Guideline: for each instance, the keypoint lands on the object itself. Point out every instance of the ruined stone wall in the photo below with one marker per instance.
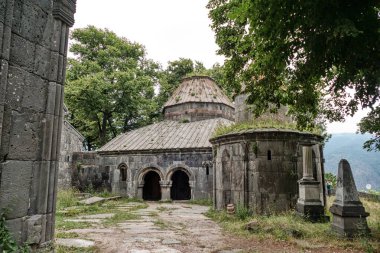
(71, 141)
(243, 113)
(33, 48)
(106, 168)
(196, 111)
(260, 170)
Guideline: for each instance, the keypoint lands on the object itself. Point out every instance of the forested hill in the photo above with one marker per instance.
(365, 165)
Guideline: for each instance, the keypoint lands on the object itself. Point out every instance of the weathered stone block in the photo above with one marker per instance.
(25, 136)
(22, 52)
(34, 229)
(42, 61)
(15, 184)
(15, 227)
(33, 22)
(3, 80)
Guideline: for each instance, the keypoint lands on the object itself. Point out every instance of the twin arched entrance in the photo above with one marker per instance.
(177, 187)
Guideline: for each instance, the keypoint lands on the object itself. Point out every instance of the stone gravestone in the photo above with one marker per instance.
(349, 216)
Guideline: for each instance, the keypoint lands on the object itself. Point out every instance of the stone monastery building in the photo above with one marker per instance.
(179, 159)
(171, 159)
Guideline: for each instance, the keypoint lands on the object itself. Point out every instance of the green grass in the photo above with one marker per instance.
(161, 224)
(119, 217)
(68, 207)
(66, 235)
(64, 249)
(260, 124)
(291, 228)
(201, 202)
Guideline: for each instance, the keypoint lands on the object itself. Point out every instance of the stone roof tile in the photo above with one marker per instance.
(166, 134)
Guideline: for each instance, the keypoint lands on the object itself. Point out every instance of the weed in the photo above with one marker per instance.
(202, 202)
(64, 249)
(119, 217)
(161, 224)
(66, 235)
(7, 243)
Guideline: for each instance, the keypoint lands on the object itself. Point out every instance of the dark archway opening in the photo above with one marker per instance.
(180, 189)
(152, 189)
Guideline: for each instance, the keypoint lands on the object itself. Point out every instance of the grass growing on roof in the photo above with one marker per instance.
(262, 124)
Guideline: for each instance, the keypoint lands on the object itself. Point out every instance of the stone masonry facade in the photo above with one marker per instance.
(104, 171)
(259, 169)
(33, 49)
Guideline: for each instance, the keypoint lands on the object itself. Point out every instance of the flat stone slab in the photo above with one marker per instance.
(146, 239)
(97, 216)
(170, 241)
(85, 220)
(76, 243)
(92, 200)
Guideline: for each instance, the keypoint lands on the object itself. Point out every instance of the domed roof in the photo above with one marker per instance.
(198, 89)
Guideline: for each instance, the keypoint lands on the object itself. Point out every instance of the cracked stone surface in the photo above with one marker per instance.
(175, 228)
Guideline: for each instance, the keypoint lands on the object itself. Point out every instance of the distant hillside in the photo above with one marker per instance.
(365, 165)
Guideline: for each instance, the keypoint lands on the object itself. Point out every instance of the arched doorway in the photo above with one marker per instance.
(152, 189)
(180, 189)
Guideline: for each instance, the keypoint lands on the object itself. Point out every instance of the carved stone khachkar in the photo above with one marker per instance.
(33, 48)
(309, 204)
(349, 216)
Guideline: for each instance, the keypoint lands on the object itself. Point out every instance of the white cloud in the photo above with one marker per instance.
(169, 29)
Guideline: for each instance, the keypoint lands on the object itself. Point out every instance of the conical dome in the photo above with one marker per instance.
(198, 98)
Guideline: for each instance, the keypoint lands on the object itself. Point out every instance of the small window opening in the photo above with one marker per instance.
(269, 154)
(207, 170)
(123, 173)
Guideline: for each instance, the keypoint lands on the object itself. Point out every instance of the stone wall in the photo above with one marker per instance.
(195, 111)
(33, 48)
(243, 113)
(106, 168)
(260, 169)
(71, 141)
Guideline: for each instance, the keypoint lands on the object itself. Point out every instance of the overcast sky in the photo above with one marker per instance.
(169, 29)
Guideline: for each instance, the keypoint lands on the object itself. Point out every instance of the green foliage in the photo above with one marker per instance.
(109, 85)
(254, 124)
(329, 177)
(6, 241)
(242, 212)
(202, 202)
(371, 124)
(290, 227)
(309, 55)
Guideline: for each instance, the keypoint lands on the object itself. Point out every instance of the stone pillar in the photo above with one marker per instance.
(33, 48)
(309, 204)
(192, 186)
(165, 189)
(349, 216)
(140, 188)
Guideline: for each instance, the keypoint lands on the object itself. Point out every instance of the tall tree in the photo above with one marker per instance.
(317, 57)
(109, 84)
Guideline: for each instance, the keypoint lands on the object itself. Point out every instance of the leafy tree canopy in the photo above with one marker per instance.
(371, 124)
(109, 85)
(316, 57)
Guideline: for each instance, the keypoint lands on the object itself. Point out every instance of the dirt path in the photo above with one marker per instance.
(174, 228)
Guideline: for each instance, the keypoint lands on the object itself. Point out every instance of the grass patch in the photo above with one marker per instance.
(262, 124)
(66, 235)
(201, 202)
(64, 249)
(62, 224)
(161, 224)
(290, 227)
(119, 217)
